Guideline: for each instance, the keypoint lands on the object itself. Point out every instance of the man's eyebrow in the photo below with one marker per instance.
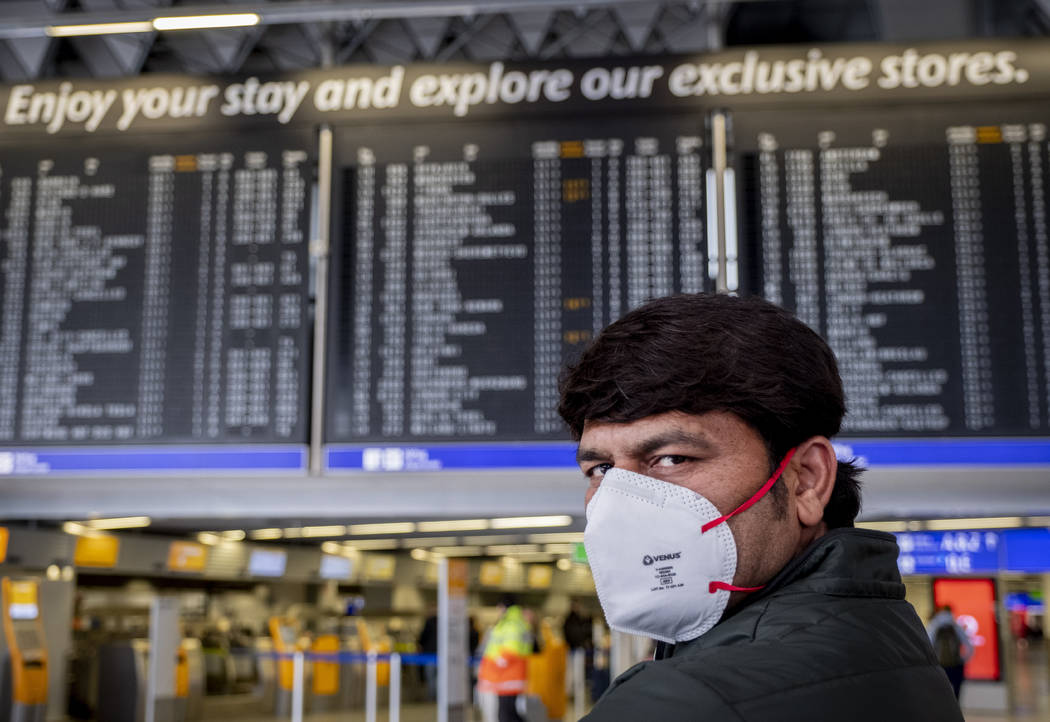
(583, 455)
(646, 447)
(676, 436)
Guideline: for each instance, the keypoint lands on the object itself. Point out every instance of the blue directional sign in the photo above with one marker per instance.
(868, 453)
(125, 460)
(1026, 550)
(949, 552)
(384, 458)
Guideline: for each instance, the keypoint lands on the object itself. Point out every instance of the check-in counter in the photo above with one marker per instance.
(194, 679)
(285, 643)
(23, 653)
(122, 673)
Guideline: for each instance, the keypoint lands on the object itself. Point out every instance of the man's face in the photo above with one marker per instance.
(714, 454)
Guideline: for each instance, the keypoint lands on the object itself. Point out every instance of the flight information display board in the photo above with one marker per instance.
(915, 240)
(153, 292)
(476, 260)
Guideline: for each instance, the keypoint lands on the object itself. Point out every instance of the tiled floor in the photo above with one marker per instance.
(1031, 700)
(428, 713)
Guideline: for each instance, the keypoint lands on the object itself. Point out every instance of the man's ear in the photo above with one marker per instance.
(816, 466)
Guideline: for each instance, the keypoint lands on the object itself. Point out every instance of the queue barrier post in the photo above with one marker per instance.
(395, 688)
(298, 685)
(579, 691)
(371, 683)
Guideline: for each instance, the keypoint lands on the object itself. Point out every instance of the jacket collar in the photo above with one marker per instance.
(844, 562)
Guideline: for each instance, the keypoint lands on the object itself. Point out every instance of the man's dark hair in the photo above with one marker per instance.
(698, 353)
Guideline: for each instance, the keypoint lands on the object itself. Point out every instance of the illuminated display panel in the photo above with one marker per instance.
(973, 605)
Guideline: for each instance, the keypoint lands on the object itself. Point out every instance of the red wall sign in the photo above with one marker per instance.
(973, 604)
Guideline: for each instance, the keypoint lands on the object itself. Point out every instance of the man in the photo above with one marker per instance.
(428, 644)
(577, 628)
(504, 662)
(720, 522)
(951, 645)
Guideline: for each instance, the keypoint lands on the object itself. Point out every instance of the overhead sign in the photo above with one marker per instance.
(540, 576)
(380, 567)
(186, 556)
(870, 71)
(950, 552)
(1027, 550)
(267, 563)
(96, 551)
(490, 574)
(335, 567)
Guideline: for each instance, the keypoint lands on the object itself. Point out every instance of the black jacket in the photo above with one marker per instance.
(829, 638)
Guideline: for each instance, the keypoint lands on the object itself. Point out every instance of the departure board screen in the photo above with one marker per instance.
(154, 290)
(915, 241)
(476, 260)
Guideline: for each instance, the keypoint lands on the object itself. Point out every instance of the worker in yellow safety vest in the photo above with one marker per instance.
(504, 662)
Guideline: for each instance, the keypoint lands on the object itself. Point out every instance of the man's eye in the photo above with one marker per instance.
(669, 460)
(597, 472)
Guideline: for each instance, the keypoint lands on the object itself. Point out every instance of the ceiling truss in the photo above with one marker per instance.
(316, 33)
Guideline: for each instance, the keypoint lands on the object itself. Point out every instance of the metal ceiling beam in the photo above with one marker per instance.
(278, 13)
(906, 20)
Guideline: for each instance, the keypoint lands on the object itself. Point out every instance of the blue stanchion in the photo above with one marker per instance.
(407, 659)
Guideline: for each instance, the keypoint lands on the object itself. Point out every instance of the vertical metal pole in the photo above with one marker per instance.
(1046, 637)
(319, 252)
(579, 687)
(395, 688)
(298, 684)
(715, 13)
(370, 688)
(442, 660)
(615, 652)
(718, 158)
(1007, 659)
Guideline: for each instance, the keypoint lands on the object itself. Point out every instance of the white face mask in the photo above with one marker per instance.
(662, 556)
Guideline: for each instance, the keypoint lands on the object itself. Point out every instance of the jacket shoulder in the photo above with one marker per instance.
(654, 690)
(809, 654)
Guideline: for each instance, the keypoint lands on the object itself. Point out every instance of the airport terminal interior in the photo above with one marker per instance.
(287, 288)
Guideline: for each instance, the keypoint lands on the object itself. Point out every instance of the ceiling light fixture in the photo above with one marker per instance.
(997, 522)
(521, 522)
(330, 530)
(498, 550)
(77, 529)
(889, 526)
(454, 525)
(395, 527)
(66, 31)
(561, 537)
(206, 22)
(272, 533)
(123, 522)
(371, 544)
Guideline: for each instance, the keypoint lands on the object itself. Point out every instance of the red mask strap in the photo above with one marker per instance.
(715, 586)
(754, 499)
